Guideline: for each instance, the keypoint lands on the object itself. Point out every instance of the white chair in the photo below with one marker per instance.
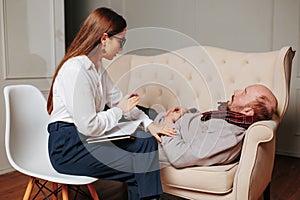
(26, 142)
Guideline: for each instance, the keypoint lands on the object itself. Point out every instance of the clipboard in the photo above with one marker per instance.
(123, 130)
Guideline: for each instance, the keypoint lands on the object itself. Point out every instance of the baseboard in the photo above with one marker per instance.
(5, 171)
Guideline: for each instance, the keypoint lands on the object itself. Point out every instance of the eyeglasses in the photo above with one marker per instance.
(122, 40)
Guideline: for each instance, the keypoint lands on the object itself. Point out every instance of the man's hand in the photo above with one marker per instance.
(174, 114)
(156, 130)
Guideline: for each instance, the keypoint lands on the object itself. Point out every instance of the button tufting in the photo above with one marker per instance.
(209, 78)
(171, 77)
(160, 92)
(140, 75)
(155, 75)
(258, 80)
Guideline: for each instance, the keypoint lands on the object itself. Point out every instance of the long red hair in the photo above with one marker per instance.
(100, 21)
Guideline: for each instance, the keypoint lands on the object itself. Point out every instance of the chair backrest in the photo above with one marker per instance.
(200, 76)
(26, 137)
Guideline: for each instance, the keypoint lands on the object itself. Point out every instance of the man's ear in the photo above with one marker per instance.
(248, 111)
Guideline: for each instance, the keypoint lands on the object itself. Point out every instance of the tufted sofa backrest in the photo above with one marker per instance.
(200, 76)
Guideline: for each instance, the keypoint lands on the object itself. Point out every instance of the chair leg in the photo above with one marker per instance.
(267, 192)
(29, 188)
(54, 188)
(65, 195)
(93, 191)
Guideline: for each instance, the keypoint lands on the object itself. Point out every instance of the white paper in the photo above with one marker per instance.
(122, 128)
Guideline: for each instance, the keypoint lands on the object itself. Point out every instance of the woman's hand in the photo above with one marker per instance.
(128, 103)
(156, 130)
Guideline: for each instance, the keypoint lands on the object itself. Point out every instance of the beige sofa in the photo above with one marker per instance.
(199, 77)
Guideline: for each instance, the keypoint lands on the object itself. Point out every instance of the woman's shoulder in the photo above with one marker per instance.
(76, 64)
(79, 61)
(73, 66)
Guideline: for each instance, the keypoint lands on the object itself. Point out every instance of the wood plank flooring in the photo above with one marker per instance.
(285, 184)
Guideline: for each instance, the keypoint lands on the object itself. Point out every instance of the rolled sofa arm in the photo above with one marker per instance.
(257, 160)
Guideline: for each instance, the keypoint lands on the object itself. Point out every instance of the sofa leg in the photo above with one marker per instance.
(267, 192)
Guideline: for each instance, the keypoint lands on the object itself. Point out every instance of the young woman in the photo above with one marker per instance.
(79, 92)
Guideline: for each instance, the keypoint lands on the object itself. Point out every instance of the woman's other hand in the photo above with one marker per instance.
(156, 130)
(128, 103)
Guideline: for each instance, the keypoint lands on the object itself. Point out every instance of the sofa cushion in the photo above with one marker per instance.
(212, 179)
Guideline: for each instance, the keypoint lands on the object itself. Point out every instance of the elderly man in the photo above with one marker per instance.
(214, 137)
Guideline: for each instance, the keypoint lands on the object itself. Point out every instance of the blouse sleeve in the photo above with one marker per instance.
(80, 101)
(113, 93)
(136, 114)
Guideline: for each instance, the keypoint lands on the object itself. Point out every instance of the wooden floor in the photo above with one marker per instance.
(285, 184)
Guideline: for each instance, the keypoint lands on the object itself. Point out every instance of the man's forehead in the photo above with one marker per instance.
(253, 90)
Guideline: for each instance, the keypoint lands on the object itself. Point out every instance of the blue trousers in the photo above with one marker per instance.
(132, 161)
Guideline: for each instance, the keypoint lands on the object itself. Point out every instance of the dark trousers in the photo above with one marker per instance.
(132, 161)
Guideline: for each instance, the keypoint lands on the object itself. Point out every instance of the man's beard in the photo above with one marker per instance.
(223, 106)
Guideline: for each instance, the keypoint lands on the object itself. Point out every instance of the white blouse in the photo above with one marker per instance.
(80, 93)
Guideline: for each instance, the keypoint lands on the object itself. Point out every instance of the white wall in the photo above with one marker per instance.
(233, 24)
(31, 45)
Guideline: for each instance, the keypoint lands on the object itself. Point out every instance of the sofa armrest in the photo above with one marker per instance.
(257, 160)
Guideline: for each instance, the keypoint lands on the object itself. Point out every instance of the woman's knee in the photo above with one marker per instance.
(148, 141)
